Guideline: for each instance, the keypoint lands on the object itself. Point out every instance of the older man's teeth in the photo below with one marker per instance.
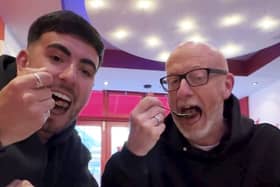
(191, 111)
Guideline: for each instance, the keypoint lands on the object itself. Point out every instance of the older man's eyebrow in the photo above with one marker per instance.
(88, 62)
(61, 48)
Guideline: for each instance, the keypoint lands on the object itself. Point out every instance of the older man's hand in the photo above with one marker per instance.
(146, 125)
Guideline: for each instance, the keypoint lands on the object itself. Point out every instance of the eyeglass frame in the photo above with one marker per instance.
(184, 76)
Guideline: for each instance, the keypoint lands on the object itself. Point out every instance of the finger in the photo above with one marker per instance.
(158, 130)
(150, 113)
(28, 70)
(155, 110)
(39, 82)
(35, 80)
(42, 93)
(41, 110)
(152, 122)
(43, 107)
(159, 118)
(47, 104)
(42, 79)
(147, 118)
(46, 116)
(37, 96)
(148, 108)
(148, 102)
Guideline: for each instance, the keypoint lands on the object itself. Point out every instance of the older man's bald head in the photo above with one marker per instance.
(203, 52)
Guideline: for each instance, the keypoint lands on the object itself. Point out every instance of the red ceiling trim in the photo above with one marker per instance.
(237, 67)
(254, 62)
(2, 29)
(262, 58)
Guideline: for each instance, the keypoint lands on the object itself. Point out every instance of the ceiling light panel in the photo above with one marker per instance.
(232, 20)
(120, 34)
(267, 23)
(197, 38)
(186, 25)
(231, 49)
(145, 5)
(153, 41)
(97, 4)
(163, 56)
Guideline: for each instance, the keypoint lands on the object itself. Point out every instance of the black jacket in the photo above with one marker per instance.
(247, 156)
(62, 162)
(7, 69)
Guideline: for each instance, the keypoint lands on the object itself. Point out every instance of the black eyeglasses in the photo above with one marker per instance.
(196, 77)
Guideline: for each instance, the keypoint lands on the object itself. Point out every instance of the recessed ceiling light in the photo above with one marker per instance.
(186, 25)
(163, 56)
(255, 83)
(147, 5)
(267, 23)
(231, 20)
(97, 4)
(231, 49)
(197, 38)
(120, 34)
(106, 83)
(152, 41)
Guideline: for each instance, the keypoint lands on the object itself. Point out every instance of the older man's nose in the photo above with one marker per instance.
(184, 88)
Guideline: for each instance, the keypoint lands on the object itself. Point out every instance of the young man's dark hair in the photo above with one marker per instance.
(66, 22)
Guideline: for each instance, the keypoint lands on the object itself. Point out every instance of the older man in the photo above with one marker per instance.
(204, 141)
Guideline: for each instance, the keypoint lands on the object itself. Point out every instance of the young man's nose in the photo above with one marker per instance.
(69, 74)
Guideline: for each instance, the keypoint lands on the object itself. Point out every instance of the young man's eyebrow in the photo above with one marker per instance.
(68, 53)
(61, 48)
(89, 62)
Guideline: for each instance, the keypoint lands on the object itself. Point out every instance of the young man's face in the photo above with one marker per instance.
(205, 102)
(73, 64)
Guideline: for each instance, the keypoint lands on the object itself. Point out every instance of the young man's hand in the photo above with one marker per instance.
(25, 104)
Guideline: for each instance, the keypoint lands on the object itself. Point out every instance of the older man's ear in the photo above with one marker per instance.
(228, 85)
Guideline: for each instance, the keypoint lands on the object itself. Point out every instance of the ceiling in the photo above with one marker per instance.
(148, 28)
(130, 62)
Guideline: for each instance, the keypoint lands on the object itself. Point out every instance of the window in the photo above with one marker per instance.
(91, 138)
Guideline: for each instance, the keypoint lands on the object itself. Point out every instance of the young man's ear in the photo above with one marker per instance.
(22, 60)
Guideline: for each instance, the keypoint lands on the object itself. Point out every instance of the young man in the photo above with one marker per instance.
(204, 141)
(53, 81)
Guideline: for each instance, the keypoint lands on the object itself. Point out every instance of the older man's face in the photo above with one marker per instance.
(204, 103)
